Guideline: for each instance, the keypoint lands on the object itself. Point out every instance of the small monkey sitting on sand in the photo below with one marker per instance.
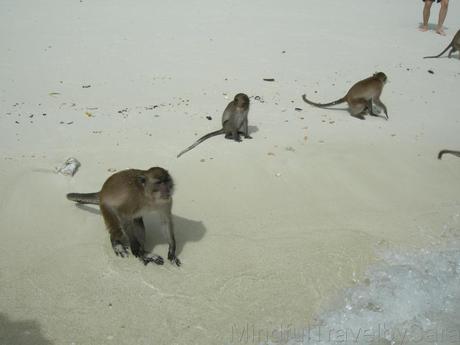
(234, 122)
(124, 199)
(361, 96)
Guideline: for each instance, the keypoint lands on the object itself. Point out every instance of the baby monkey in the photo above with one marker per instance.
(124, 199)
(454, 45)
(455, 153)
(234, 122)
(361, 96)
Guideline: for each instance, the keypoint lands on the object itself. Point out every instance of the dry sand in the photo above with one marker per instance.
(268, 229)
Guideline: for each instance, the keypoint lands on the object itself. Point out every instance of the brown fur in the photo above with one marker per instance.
(454, 45)
(123, 200)
(234, 122)
(361, 96)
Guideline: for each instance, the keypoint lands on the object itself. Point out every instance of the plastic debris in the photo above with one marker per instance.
(69, 167)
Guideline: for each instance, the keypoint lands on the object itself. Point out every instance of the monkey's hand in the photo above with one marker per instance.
(152, 258)
(120, 250)
(174, 259)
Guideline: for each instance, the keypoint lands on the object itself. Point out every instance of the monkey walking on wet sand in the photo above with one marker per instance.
(361, 96)
(234, 122)
(452, 152)
(454, 45)
(124, 199)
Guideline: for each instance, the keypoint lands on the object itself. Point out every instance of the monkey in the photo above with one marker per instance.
(234, 122)
(127, 196)
(455, 153)
(361, 96)
(454, 45)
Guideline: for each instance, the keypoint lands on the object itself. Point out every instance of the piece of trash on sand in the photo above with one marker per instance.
(260, 99)
(269, 79)
(54, 93)
(69, 167)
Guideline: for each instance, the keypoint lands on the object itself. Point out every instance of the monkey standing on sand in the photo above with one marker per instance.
(361, 96)
(454, 45)
(234, 122)
(455, 153)
(124, 199)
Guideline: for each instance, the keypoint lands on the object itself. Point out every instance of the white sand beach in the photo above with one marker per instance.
(270, 230)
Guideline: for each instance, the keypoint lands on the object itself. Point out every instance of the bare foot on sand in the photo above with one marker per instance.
(423, 28)
(440, 31)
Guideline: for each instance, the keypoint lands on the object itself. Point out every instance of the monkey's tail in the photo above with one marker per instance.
(430, 57)
(340, 100)
(199, 141)
(455, 153)
(84, 198)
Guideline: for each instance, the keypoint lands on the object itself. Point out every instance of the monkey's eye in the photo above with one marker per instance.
(141, 179)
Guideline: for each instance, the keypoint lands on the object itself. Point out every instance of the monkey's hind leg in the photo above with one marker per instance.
(358, 108)
(233, 135)
(370, 108)
(452, 50)
(236, 136)
(138, 244)
(116, 234)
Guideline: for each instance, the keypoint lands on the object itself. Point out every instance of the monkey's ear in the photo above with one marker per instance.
(141, 179)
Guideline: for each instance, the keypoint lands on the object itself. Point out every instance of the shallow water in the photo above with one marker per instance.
(408, 297)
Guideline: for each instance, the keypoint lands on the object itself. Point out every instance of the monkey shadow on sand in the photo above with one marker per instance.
(253, 129)
(347, 111)
(185, 230)
(24, 332)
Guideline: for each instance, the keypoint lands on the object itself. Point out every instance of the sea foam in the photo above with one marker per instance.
(407, 297)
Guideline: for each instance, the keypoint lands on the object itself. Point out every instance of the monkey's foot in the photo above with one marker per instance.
(174, 259)
(120, 250)
(247, 137)
(152, 258)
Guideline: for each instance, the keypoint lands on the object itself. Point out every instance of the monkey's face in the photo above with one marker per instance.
(241, 100)
(382, 76)
(159, 183)
(163, 189)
